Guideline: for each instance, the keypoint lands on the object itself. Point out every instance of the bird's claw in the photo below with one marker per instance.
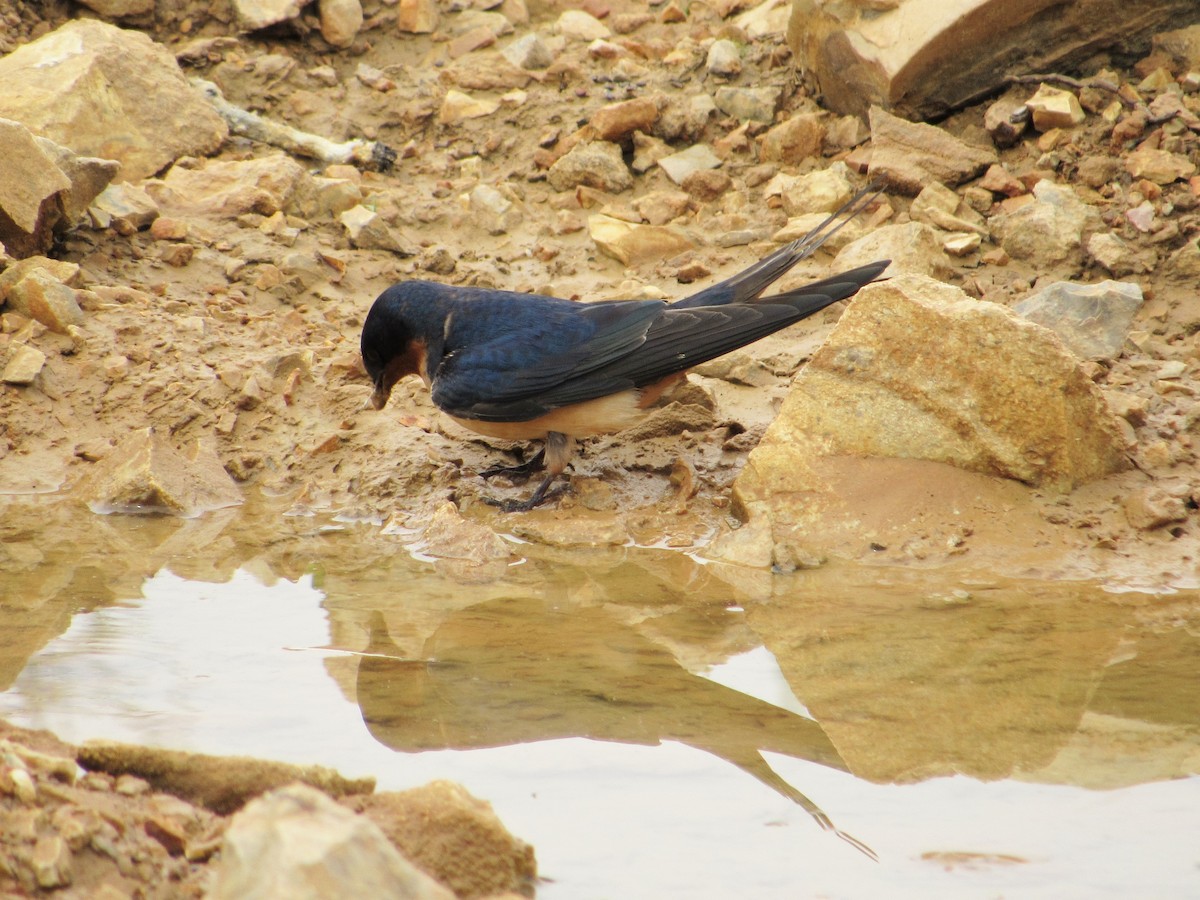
(518, 474)
(538, 498)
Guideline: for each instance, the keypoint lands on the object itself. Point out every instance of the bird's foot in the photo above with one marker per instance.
(520, 473)
(511, 506)
(540, 496)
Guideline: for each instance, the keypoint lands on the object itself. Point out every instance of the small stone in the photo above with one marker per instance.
(940, 206)
(913, 247)
(845, 133)
(795, 140)
(296, 842)
(457, 106)
(1142, 216)
(167, 228)
(492, 210)
(340, 21)
(42, 296)
(1152, 507)
(1093, 320)
(24, 365)
(124, 207)
(577, 25)
(911, 154)
(647, 151)
(450, 536)
(633, 244)
(1048, 230)
(617, 121)
(51, 862)
(999, 180)
(368, 230)
(598, 165)
(1097, 171)
(821, 191)
(470, 41)
(756, 104)
(695, 158)
(724, 59)
(1118, 257)
(962, 243)
(1159, 166)
(660, 207)
(417, 16)
(528, 52)
(1006, 120)
(707, 184)
(1055, 108)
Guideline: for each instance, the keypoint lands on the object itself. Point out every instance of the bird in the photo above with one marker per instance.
(528, 367)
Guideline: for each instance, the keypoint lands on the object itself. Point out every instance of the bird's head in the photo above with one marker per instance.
(392, 346)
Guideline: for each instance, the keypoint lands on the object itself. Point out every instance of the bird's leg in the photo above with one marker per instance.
(521, 472)
(557, 453)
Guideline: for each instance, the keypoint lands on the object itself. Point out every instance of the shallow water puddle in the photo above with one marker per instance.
(655, 727)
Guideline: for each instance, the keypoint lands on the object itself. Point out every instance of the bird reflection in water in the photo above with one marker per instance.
(512, 671)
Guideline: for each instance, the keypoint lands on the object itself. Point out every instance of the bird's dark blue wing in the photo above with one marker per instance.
(504, 358)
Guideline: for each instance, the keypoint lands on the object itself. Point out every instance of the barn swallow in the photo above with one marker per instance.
(526, 367)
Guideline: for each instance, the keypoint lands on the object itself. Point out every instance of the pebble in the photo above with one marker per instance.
(756, 104)
(617, 121)
(528, 52)
(457, 106)
(821, 191)
(647, 151)
(40, 295)
(492, 210)
(660, 207)
(51, 862)
(24, 365)
(1152, 507)
(1006, 120)
(795, 140)
(632, 244)
(417, 16)
(1120, 259)
(577, 25)
(724, 59)
(1093, 320)
(707, 184)
(679, 166)
(340, 21)
(598, 165)
(368, 230)
(1055, 108)
(1159, 166)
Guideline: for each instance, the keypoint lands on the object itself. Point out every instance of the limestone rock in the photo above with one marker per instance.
(40, 293)
(913, 247)
(939, 206)
(417, 16)
(125, 207)
(455, 837)
(1091, 319)
(757, 104)
(457, 106)
(794, 140)
(1152, 507)
(1006, 120)
(1049, 231)
(916, 369)
(696, 158)
(617, 121)
(528, 52)
(1054, 108)
(222, 784)
(911, 154)
(110, 93)
(145, 474)
(228, 188)
(636, 244)
(295, 842)
(577, 25)
(821, 191)
(685, 120)
(370, 231)
(1159, 166)
(340, 21)
(492, 210)
(30, 182)
(24, 365)
(724, 59)
(87, 174)
(596, 165)
(924, 59)
(450, 536)
(120, 9)
(255, 14)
